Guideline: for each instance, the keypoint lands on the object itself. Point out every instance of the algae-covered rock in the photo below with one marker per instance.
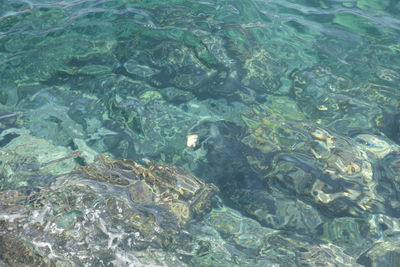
(100, 211)
(325, 255)
(16, 253)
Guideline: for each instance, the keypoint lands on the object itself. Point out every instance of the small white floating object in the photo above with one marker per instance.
(192, 140)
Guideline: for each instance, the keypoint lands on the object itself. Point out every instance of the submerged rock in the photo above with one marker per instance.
(111, 212)
(383, 254)
(16, 253)
(28, 161)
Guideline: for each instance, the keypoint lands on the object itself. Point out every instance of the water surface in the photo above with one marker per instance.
(295, 105)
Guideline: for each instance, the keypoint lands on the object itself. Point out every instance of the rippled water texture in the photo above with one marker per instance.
(291, 109)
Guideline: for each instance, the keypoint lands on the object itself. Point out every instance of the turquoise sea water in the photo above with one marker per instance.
(293, 108)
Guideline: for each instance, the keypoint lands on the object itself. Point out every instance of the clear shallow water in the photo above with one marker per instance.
(295, 105)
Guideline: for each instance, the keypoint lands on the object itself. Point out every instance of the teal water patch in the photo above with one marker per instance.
(290, 108)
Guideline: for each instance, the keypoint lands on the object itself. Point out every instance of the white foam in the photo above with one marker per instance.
(10, 217)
